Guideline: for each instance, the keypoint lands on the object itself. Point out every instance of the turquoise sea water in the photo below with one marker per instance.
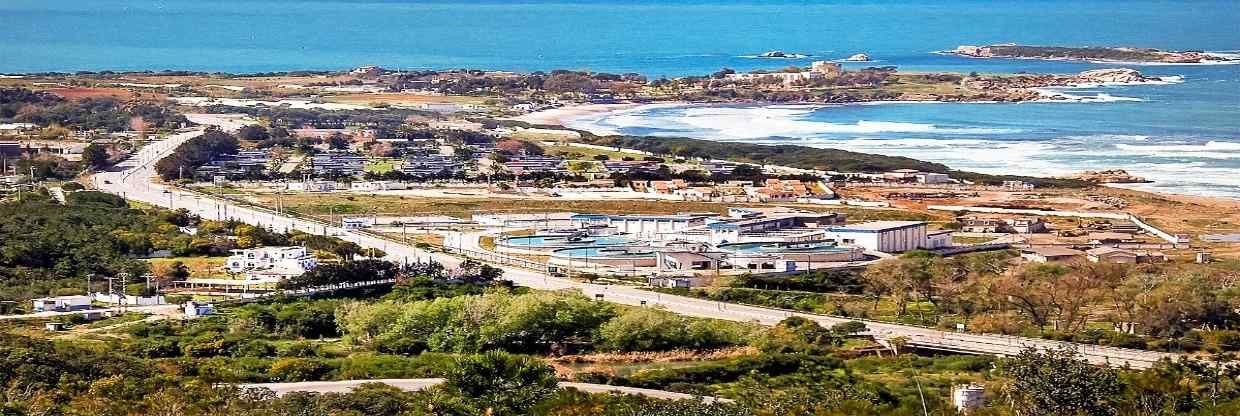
(1185, 135)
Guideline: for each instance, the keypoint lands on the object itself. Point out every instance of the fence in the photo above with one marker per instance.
(1176, 241)
(492, 257)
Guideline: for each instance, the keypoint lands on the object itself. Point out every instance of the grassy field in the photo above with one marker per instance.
(588, 153)
(320, 205)
(380, 166)
(199, 267)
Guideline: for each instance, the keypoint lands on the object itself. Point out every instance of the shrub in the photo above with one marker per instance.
(300, 350)
(644, 329)
(298, 369)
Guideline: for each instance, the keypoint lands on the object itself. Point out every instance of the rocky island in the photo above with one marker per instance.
(827, 82)
(783, 55)
(1095, 54)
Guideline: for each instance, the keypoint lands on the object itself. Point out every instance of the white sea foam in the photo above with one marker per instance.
(1208, 150)
(1184, 165)
(1058, 95)
(1109, 137)
(748, 123)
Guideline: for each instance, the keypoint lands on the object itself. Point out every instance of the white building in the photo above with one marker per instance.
(932, 178)
(130, 300)
(884, 236)
(312, 186)
(62, 303)
(938, 239)
(379, 186)
(195, 309)
(357, 223)
(271, 263)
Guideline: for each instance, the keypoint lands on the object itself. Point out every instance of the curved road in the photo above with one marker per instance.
(132, 180)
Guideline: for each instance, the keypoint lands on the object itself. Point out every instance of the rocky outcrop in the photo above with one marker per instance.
(1029, 81)
(861, 57)
(1109, 176)
(1113, 75)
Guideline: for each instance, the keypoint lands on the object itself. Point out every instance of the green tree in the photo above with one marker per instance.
(502, 383)
(1057, 382)
(94, 155)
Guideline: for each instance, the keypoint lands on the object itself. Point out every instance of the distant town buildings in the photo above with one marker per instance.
(817, 69)
(242, 163)
(423, 166)
(337, 163)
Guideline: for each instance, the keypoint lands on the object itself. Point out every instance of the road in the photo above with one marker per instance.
(153, 309)
(132, 179)
(415, 384)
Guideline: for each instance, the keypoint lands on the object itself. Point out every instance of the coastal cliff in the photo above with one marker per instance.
(1099, 54)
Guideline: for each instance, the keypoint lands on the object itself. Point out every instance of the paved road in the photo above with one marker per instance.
(132, 179)
(415, 384)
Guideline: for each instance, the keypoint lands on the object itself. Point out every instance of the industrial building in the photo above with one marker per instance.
(884, 236)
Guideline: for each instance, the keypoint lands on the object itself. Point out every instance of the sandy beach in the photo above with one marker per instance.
(559, 116)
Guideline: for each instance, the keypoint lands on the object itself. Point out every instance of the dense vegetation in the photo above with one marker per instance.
(802, 157)
(798, 368)
(1152, 306)
(50, 248)
(464, 325)
(196, 152)
(108, 114)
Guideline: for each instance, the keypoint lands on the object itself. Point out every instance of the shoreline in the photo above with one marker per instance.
(560, 116)
(563, 116)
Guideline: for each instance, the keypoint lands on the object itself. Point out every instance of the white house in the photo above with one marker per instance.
(195, 309)
(271, 263)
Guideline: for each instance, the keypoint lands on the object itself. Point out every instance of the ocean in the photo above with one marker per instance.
(1184, 134)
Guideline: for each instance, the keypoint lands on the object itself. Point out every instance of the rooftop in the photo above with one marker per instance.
(1053, 251)
(880, 226)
